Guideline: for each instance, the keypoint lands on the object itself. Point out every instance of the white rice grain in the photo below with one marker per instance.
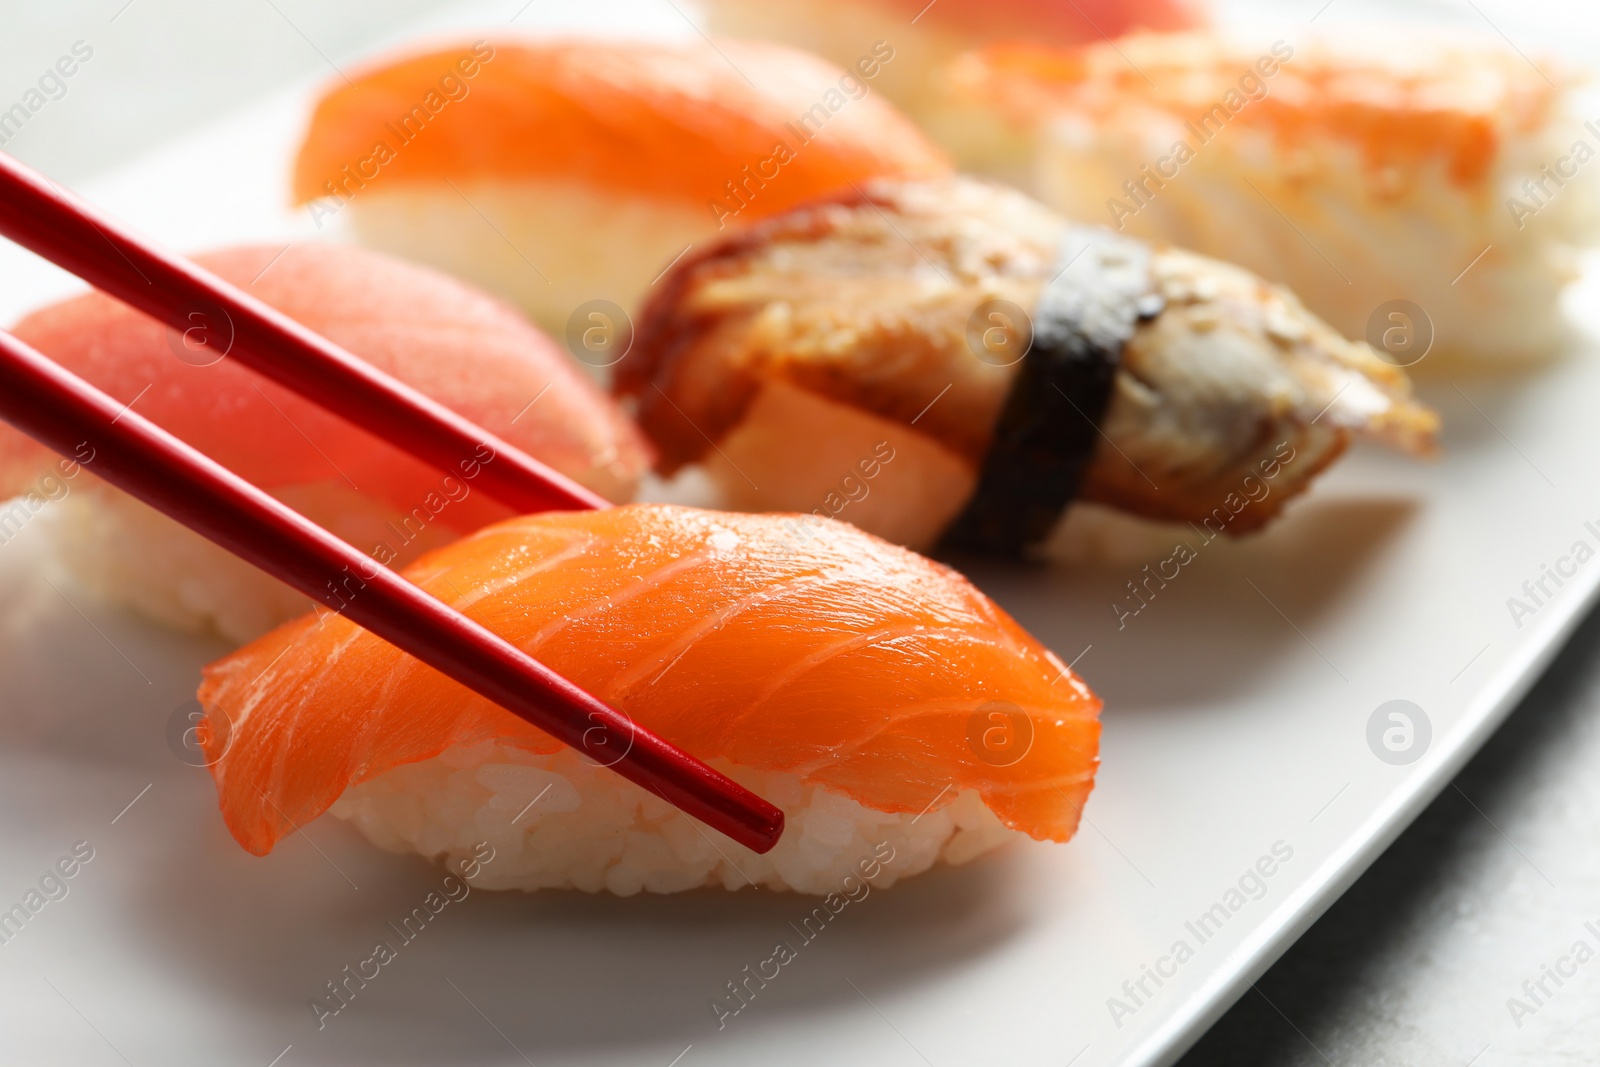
(561, 822)
(131, 554)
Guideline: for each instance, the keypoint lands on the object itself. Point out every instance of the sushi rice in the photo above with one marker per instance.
(595, 244)
(126, 552)
(561, 821)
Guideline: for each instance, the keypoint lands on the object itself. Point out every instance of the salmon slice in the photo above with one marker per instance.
(815, 650)
(457, 345)
(670, 121)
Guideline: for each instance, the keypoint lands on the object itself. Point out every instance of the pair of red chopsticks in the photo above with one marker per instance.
(62, 411)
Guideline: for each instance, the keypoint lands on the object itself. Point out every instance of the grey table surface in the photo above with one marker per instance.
(1456, 931)
(1491, 888)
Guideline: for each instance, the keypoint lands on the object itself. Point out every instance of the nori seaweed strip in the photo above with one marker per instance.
(1048, 429)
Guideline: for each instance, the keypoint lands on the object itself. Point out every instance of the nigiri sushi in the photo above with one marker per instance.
(1417, 192)
(922, 37)
(566, 173)
(894, 712)
(459, 346)
(952, 359)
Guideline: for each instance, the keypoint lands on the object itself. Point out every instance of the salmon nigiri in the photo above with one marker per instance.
(455, 344)
(564, 173)
(891, 709)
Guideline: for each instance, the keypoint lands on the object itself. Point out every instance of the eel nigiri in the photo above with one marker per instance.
(1361, 171)
(920, 38)
(894, 712)
(564, 173)
(950, 357)
(459, 346)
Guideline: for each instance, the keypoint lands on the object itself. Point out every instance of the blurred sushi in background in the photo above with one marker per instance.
(1445, 180)
(562, 173)
(951, 359)
(922, 36)
(454, 343)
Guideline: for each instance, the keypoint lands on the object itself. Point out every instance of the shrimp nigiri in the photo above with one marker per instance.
(1423, 194)
(566, 173)
(891, 709)
(984, 363)
(455, 344)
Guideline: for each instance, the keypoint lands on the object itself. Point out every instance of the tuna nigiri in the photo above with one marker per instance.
(893, 711)
(926, 35)
(1418, 193)
(565, 173)
(453, 343)
(951, 358)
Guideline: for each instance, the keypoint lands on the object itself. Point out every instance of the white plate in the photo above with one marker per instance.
(1238, 706)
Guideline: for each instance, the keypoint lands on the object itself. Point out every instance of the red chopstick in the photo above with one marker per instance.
(76, 236)
(66, 413)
